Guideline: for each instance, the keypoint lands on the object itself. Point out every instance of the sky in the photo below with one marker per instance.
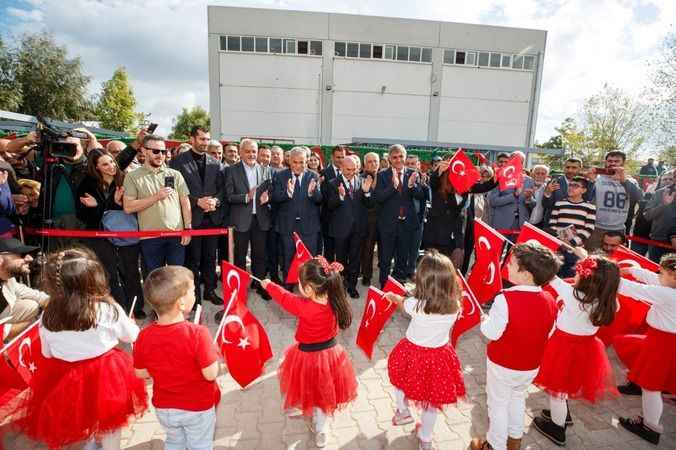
(163, 43)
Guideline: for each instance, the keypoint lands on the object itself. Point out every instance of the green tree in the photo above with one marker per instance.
(187, 119)
(570, 138)
(52, 84)
(661, 94)
(115, 109)
(10, 90)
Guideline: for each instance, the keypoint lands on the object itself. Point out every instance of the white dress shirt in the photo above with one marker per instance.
(252, 178)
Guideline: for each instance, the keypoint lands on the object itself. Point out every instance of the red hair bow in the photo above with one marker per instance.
(586, 267)
(328, 268)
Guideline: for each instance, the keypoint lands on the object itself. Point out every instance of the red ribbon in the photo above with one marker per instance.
(55, 232)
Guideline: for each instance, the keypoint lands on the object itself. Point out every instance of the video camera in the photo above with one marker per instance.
(54, 143)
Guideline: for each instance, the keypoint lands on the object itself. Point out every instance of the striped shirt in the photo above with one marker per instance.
(581, 215)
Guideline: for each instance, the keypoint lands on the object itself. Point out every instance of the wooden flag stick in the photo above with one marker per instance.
(198, 314)
(133, 305)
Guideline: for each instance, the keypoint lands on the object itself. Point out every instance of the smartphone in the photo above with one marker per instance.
(169, 182)
(604, 171)
(151, 128)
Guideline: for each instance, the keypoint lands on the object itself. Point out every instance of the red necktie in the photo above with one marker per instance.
(400, 188)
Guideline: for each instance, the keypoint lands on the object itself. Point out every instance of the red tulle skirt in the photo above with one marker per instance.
(429, 377)
(577, 367)
(69, 402)
(655, 367)
(324, 379)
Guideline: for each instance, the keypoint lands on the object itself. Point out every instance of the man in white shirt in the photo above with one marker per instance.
(19, 304)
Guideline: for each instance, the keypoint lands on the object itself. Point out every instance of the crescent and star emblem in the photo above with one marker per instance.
(230, 318)
(491, 273)
(461, 165)
(26, 342)
(370, 304)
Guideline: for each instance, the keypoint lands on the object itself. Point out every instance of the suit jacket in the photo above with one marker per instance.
(237, 187)
(301, 205)
(391, 201)
(350, 213)
(212, 186)
(328, 174)
(505, 207)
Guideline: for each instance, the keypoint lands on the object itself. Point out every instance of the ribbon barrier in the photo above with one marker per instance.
(631, 237)
(55, 232)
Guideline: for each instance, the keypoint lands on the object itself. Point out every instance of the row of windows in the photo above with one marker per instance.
(489, 59)
(270, 45)
(376, 51)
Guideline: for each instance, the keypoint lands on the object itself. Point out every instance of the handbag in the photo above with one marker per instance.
(118, 220)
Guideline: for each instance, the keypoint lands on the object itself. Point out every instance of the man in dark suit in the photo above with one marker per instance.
(396, 188)
(297, 195)
(247, 186)
(348, 197)
(273, 246)
(371, 166)
(329, 173)
(205, 178)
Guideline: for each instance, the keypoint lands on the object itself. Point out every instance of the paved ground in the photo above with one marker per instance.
(252, 419)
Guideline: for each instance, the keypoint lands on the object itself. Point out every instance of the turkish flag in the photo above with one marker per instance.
(241, 337)
(628, 258)
(481, 157)
(392, 285)
(25, 352)
(377, 311)
(530, 233)
(470, 314)
(630, 318)
(510, 176)
(484, 278)
(301, 256)
(461, 172)
(11, 385)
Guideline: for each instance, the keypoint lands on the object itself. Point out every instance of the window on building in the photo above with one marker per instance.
(529, 62)
(495, 60)
(470, 58)
(389, 52)
(378, 51)
(506, 61)
(449, 56)
(316, 48)
(222, 43)
(364, 50)
(275, 45)
(460, 57)
(483, 59)
(339, 49)
(262, 45)
(517, 62)
(352, 50)
(427, 55)
(247, 44)
(290, 46)
(302, 47)
(402, 53)
(414, 54)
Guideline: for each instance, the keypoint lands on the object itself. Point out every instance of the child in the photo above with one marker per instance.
(316, 376)
(423, 367)
(518, 326)
(575, 212)
(85, 387)
(654, 370)
(181, 359)
(575, 364)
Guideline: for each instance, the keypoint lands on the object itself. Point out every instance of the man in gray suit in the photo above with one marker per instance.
(508, 209)
(247, 186)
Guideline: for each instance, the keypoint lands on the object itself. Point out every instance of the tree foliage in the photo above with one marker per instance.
(115, 109)
(661, 94)
(187, 119)
(10, 90)
(52, 84)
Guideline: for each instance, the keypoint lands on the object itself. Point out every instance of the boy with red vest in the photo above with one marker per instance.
(518, 327)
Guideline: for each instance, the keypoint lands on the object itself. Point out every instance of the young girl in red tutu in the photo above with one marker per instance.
(423, 367)
(85, 388)
(654, 369)
(575, 364)
(316, 376)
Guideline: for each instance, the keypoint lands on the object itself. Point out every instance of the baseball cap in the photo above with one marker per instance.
(11, 245)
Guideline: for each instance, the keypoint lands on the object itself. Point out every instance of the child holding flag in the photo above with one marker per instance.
(423, 367)
(316, 376)
(85, 387)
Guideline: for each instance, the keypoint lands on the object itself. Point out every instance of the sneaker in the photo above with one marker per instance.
(636, 426)
(320, 439)
(402, 418)
(294, 413)
(630, 389)
(548, 415)
(213, 298)
(366, 282)
(422, 445)
(550, 430)
(219, 315)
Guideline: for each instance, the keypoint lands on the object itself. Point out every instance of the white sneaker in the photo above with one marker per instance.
(320, 439)
(294, 413)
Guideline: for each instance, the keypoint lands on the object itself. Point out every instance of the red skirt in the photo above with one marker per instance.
(69, 402)
(324, 379)
(655, 367)
(577, 367)
(429, 377)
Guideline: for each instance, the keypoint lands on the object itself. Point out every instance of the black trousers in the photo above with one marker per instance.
(368, 249)
(257, 239)
(348, 253)
(394, 243)
(200, 258)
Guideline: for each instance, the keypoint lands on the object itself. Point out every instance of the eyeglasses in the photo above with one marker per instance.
(156, 151)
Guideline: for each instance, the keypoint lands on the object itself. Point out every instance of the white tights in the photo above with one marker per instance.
(110, 441)
(559, 410)
(652, 409)
(428, 417)
(318, 420)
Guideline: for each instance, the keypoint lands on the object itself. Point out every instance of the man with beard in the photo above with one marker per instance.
(19, 304)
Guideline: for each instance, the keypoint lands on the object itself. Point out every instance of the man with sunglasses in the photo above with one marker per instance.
(160, 197)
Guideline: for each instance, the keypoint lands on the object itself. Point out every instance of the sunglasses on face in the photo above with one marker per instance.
(157, 151)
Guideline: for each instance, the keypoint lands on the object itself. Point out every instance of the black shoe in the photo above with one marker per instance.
(550, 430)
(213, 298)
(353, 293)
(219, 315)
(636, 426)
(548, 415)
(140, 315)
(630, 389)
(366, 282)
(264, 294)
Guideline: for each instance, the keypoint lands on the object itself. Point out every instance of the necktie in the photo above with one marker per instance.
(351, 188)
(400, 188)
(296, 188)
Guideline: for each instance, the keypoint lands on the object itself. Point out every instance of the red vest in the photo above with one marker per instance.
(531, 316)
